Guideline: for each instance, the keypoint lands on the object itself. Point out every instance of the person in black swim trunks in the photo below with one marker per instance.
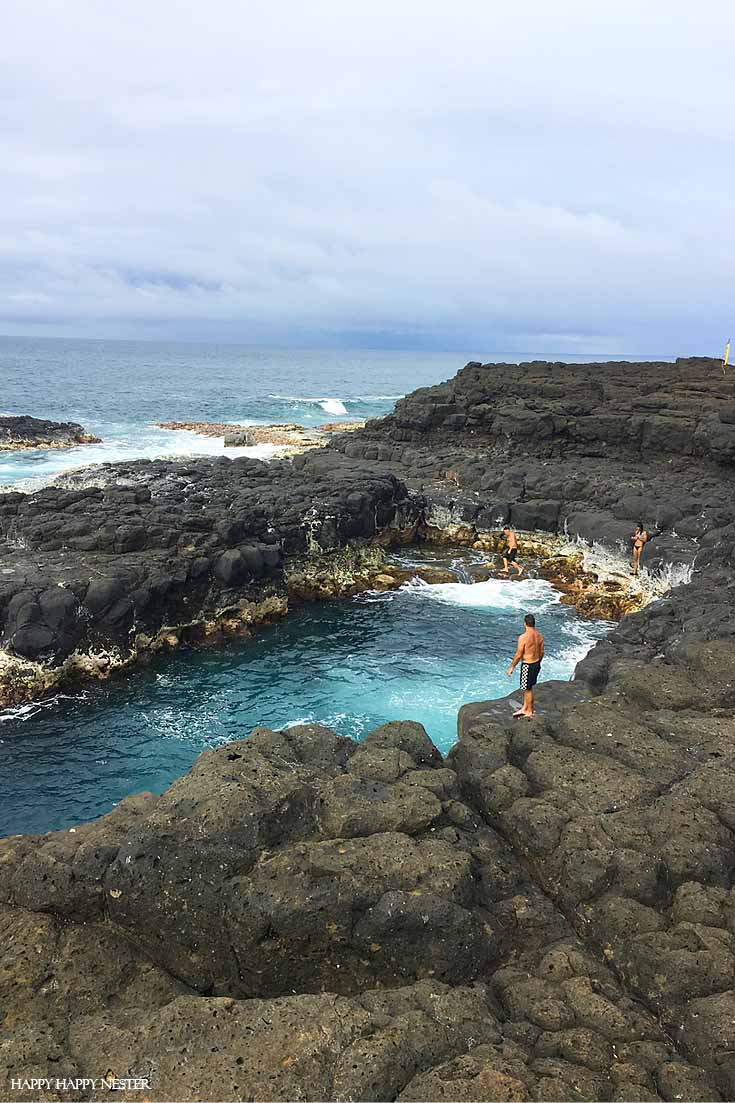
(529, 653)
(510, 555)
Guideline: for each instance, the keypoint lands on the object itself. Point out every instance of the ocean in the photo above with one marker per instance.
(418, 653)
(119, 390)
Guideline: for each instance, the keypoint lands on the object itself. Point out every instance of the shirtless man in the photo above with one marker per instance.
(510, 555)
(529, 653)
(639, 538)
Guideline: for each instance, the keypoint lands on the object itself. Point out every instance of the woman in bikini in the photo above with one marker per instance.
(639, 538)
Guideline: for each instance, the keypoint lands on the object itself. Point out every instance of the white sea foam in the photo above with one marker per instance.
(582, 635)
(33, 469)
(333, 406)
(25, 712)
(378, 397)
(330, 405)
(532, 595)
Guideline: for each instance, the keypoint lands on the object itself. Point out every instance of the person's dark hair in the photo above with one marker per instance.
(506, 528)
(530, 620)
(640, 525)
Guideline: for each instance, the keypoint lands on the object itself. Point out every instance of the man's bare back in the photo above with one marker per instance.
(531, 646)
(529, 653)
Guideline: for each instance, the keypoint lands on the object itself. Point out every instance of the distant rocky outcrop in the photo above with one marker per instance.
(289, 438)
(21, 432)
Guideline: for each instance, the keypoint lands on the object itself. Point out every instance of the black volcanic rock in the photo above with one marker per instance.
(589, 449)
(590, 409)
(32, 432)
(156, 543)
(546, 914)
(235, 932)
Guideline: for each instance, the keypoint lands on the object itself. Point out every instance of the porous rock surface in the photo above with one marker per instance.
(588, 448)
(118, 553)
(546, 914)
(303, 917)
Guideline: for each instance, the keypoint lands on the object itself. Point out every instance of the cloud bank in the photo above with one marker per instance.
(551, 177)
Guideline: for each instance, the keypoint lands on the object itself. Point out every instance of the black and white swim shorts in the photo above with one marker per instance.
(529, 674)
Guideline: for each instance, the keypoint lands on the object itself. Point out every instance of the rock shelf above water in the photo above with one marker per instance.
(289, 439)
(22, 432)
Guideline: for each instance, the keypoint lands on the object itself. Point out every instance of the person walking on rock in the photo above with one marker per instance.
(510, 555)
(529, 653)
(639, 538)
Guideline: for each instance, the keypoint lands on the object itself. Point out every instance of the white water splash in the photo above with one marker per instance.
(614, 563)
(333, 406)
(532, 595)
(30, 470)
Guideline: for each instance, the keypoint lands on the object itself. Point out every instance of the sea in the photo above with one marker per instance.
(417, 653)
(121, 390)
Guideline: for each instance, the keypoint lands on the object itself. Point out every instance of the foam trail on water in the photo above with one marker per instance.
(378, 397)
(582, 634)
(37, 467)
(330, 405)
(532, 596)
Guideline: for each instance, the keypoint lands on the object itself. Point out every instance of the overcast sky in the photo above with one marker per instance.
(547, 175)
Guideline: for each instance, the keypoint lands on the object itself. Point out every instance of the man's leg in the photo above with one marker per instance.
(528, 703)
(522, 710)
(636, 557)
(505, 566)
(518, 567)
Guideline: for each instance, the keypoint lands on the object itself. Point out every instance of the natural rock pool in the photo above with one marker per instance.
(417, 653)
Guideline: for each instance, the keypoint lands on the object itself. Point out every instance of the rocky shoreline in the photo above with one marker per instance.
(22, 432)
(69, 622)
(288, 439)
(547, 913)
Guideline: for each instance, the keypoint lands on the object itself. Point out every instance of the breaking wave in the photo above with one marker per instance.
(533, 595)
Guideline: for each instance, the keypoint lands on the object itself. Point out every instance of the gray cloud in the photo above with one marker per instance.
(551, 176)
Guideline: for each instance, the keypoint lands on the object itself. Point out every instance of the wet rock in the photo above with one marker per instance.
(21, 432)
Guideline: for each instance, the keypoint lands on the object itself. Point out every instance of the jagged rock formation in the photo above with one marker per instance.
(160, 551)
(21, 432)
(302, 917)
(546, 914)
(116, 561)
(685, 408)
(590, 447)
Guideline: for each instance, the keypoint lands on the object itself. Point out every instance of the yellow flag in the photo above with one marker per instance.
(726, 358)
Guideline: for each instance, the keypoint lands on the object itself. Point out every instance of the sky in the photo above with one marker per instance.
(537, 176)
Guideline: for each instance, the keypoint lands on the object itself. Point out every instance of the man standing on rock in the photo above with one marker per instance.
(529, 653)
(510, 555)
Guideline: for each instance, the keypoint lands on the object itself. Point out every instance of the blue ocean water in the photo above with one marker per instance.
(418, 653)
(119, 390)
(415, 654)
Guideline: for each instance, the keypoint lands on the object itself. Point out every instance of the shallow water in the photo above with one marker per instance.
(418, 653)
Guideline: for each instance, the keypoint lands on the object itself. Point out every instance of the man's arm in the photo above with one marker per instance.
(518, 655)
(542, 653)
